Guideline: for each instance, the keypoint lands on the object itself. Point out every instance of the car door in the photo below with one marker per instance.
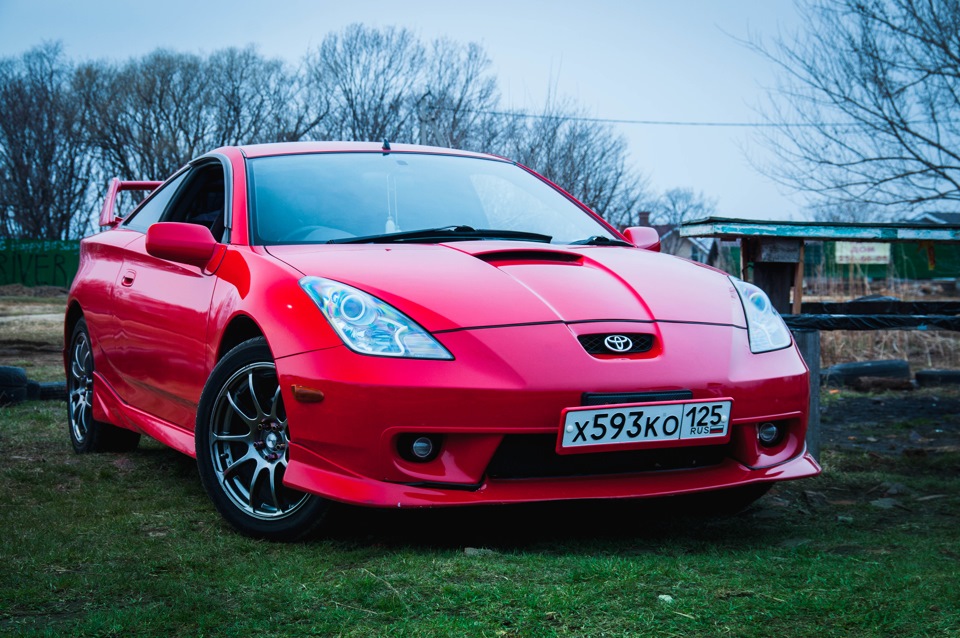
(161, 310)
(110, 253)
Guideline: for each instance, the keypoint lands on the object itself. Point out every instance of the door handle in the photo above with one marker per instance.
(128, 277)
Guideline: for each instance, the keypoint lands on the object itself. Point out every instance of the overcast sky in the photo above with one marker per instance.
(630, 59)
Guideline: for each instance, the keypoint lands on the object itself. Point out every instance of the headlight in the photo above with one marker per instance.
(370, 326)
(765, 327)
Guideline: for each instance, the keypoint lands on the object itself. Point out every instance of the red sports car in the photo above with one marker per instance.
(415, 327)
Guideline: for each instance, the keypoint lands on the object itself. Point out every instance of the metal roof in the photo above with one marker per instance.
(727, 228)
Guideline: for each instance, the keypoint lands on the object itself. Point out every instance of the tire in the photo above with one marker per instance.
(845, 373)
(242, 445)
(12, 376)
(33, 390)
(874, 298)
(10, 395)
(13, 385)
(929, 378)
(87, 434)
(53, 391)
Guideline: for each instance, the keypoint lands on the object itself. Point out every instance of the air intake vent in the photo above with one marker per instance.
(508, 257)
(617, 343)
(613, 398)
(522, 456)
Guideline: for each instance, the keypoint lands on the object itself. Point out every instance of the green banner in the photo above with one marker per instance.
(908, 260)
(39, 263)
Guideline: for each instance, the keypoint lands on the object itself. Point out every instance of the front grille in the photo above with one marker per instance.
(534, 456)
(613, 398)
(596, 344)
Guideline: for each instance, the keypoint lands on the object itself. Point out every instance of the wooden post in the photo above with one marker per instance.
(774, 268)
(775, 280)
(749, 249)
(798, 282)
(808, 342)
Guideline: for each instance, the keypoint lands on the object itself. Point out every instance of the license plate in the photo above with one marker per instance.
(645, 423)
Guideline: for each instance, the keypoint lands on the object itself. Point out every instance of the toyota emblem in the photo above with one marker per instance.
(618, 343)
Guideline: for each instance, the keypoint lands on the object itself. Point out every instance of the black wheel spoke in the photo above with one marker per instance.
(230, 470)
(274, 496)
(256, 401)
(232, 438)
(274, 405)
(249, 420)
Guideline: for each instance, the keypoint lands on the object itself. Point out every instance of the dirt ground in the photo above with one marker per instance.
(911, 423)
(31, 355)
(19, 290)
(31, 330)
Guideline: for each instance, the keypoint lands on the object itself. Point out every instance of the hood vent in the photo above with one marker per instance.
(515, 257)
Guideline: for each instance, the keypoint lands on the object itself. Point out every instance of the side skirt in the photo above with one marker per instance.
(110, 408)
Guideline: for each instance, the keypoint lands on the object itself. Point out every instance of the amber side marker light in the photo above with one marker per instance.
(306, 395)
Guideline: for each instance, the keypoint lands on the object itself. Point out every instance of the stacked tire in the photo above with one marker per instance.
(845, 374)
(13, 385)
(15, 388)
(934, 378)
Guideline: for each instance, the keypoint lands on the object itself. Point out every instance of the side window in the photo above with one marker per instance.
(153, 208)
(201, 200)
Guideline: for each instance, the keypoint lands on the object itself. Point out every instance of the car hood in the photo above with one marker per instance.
(494, 283)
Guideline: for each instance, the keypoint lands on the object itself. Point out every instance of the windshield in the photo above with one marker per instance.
(316, 198)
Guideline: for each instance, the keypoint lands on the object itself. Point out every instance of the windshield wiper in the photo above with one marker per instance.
(444, 234)
(600, 240)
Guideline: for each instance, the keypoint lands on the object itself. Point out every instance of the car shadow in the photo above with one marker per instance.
(571, 526)
(631, 525)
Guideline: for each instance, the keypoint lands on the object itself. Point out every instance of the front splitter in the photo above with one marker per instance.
(355, 490)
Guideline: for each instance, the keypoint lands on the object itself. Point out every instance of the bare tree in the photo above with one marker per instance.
(586, 158)
(153, 114)
(676, 206)
(372, 78)
(149, 114)
(253, 99)
(384, 84)
(845, 211)
(44, 164)
(869, 104)
(457, 106)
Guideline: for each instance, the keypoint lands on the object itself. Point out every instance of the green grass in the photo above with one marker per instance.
(119, 545)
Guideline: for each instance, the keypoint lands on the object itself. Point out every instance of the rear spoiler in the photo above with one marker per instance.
(107, 216)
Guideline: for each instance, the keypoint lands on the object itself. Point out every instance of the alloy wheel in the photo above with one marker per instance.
(249, 444)
(80, 391)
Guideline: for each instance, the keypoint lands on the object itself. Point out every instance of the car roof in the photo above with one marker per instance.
(295, 148)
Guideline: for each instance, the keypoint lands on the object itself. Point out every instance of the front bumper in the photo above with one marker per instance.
(360, 491)
(507, 387)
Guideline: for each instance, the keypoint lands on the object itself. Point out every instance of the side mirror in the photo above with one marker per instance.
(644, 237)
(183, 243)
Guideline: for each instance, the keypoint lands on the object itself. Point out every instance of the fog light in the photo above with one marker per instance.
(422, 447)
(419, 448)
(769, 434)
